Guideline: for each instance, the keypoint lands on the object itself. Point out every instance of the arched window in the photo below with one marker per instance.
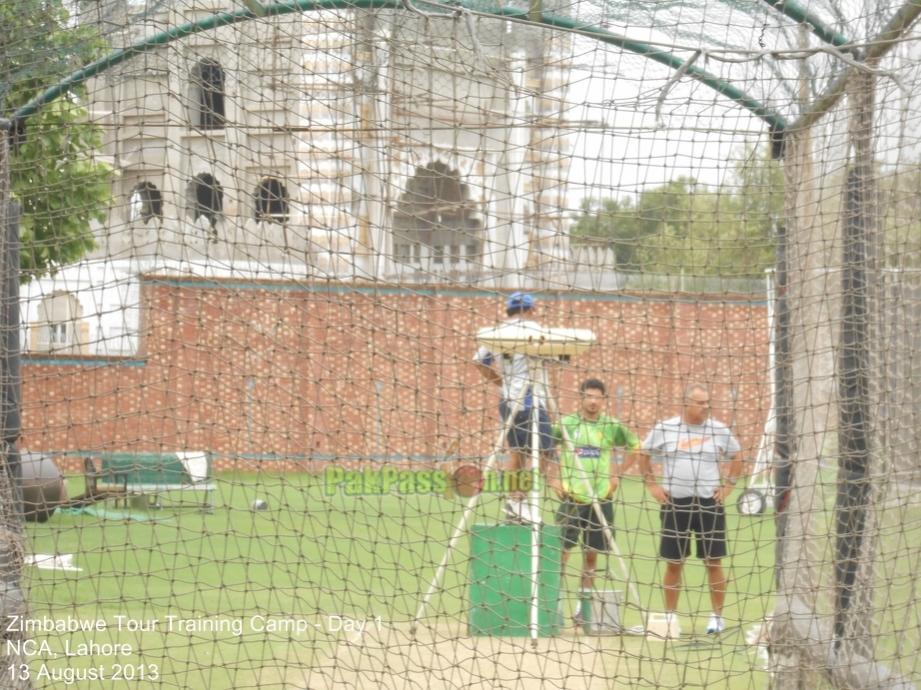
(271, 201)
(436, 212)
(145, 202)
(208, 95)
(206, 198)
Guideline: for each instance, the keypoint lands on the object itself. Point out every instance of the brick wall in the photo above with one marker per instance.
(293, 373)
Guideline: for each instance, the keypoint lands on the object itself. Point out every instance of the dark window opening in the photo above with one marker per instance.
(206, 198)
(271, 201)
(208, 83)
(145, 202)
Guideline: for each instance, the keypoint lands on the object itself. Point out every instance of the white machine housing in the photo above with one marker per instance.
(535, 340)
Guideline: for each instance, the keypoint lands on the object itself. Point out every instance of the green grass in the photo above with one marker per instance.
(312, 555)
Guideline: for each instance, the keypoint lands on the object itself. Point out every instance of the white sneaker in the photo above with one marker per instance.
(715, 625)
(672, 625)
(663, 626)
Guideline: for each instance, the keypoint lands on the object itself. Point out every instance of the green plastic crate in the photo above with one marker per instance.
(152, 473)
(500, 581)
(144, 470)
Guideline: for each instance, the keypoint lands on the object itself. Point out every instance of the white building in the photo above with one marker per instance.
(349, 145)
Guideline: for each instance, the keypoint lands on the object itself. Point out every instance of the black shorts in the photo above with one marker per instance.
(519, 435)
(703, 516)
(580, 519)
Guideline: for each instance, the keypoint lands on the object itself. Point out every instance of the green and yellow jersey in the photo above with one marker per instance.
(592, 445)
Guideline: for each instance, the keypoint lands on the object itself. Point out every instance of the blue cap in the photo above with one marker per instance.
(519, 300)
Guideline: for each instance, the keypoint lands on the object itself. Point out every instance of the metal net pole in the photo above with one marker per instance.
(12, 600)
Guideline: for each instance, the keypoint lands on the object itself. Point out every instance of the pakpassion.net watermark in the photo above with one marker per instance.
(465, 480)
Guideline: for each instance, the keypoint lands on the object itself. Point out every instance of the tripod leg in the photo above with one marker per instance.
(462, 523)
(534, 501)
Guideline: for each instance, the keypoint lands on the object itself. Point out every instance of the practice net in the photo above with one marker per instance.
(251, 428)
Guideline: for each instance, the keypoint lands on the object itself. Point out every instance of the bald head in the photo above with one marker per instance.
(696, 409)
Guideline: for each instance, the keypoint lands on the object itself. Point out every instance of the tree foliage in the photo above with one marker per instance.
(682, 226)
(61, 189)
(900, 216)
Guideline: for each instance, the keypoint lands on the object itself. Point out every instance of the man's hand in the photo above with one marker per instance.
(612, 487)
(722, 493)
(657, 492)
(488, 373)
(556, 486)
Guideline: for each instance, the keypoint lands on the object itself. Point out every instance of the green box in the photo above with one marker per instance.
(144, 469)
(500, 580)
(154, 471)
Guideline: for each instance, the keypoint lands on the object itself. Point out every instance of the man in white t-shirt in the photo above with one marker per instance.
(700, 466)
(511, 373)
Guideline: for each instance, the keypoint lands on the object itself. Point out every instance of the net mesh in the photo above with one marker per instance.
(248, 404)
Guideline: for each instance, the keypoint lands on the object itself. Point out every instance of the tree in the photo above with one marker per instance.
(626, 226)
(758, 184)
(61, 189)
(900, 216)
(610, 222)
(683, 226)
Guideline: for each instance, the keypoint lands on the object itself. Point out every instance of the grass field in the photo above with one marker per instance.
(274, 598)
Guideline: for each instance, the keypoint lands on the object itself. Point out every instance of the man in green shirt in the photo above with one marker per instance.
(587, 472)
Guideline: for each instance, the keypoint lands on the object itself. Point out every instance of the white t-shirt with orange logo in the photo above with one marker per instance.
(691, 455)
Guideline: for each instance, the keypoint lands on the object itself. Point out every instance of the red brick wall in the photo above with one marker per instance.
(287, 371)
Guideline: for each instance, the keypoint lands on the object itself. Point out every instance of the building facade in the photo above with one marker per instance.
(346, 145)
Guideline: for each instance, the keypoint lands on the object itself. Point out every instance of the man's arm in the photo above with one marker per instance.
(626, 439)
(631, 444)
(550, 466)
(730, 478)
(614, 479)
(550, 462)
(488, 373)
(733, 450)
(649, 479)
(631, 458)
(484, 360)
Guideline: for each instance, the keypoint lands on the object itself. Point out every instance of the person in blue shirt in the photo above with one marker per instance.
(511, 373)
